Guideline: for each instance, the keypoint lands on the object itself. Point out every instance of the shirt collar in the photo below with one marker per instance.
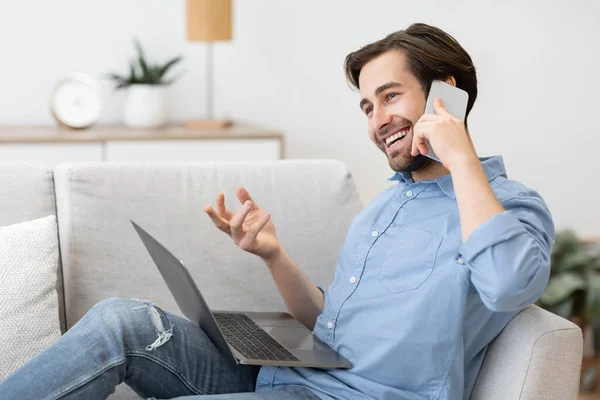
(492, 166)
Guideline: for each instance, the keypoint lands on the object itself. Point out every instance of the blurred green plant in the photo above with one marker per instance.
(144, 73)
(573, 291)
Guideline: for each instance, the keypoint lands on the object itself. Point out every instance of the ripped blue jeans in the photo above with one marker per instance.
(159, 355)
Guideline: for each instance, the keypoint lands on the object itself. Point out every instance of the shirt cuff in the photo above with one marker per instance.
(500, 228)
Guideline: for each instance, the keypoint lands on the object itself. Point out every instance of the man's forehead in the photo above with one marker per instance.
(387, 67)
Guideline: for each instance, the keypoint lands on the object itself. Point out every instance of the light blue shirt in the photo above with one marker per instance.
(411, 306)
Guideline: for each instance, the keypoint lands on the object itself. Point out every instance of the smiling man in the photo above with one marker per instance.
(448, 255)
(430, 272)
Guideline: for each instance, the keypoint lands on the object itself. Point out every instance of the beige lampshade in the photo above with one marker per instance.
(208, 20)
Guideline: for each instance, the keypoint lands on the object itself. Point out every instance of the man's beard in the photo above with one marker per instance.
(401, 160)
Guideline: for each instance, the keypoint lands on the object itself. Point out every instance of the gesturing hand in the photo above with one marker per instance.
(250, 228)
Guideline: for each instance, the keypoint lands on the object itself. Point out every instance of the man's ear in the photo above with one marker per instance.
(451, 81)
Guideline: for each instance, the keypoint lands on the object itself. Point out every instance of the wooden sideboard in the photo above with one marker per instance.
(53, 145)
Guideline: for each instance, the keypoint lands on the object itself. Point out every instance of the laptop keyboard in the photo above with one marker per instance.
(249, 339)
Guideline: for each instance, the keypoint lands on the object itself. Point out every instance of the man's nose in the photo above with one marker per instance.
(381, 118)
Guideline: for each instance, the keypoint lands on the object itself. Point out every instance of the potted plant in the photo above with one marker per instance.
(146, 105)
(573, 291)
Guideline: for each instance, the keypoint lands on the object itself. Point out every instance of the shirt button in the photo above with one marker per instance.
(374, 233)
(409, 193)
(352, 279)
(460, 261)
(330, 325)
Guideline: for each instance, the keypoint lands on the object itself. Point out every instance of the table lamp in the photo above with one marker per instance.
(208, 21)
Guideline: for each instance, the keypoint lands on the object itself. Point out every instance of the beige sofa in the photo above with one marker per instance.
(312, 203)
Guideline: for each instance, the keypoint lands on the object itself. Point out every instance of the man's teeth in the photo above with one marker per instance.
(398, 135)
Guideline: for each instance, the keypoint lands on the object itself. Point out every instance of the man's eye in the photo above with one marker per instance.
(368, 110)
(391, 95)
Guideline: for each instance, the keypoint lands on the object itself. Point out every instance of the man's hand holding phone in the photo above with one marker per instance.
(250, 228)
(447, 136)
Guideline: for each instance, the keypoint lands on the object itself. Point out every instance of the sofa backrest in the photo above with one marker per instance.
(28, 193)
(312, 203)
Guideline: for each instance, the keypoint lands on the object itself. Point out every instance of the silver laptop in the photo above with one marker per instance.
(255, 338)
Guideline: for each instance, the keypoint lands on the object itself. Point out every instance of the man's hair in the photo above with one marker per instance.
(431, 53)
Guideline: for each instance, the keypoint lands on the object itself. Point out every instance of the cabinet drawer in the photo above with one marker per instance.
(51, 153)
(193, 150)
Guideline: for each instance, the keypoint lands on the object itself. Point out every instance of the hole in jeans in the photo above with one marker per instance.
(163, 335)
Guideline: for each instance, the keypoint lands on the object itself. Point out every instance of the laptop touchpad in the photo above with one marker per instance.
(293, 338)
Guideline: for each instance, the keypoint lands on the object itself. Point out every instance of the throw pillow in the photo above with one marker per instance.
(29, 320)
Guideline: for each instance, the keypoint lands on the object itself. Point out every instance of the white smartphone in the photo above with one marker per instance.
(455, 102)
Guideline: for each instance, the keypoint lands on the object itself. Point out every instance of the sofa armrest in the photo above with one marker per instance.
(537, 356)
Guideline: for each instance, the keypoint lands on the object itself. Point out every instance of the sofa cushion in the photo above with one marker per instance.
(28, 193)
(312, 203)
(28, 300)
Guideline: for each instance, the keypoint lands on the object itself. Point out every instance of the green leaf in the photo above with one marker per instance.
(121, 81)
(578, 260)
(593, 294)
(138, 47)
(176, 77)
(566, 242)
(151, 74)
(155, 74)
(116, 77)
(594, 254)
(132, 77)
(561, 287)
(144, 68)
(564, 309)
(163, 70)
(147, 75)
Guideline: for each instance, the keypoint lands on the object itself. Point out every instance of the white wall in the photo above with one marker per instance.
(537, 64)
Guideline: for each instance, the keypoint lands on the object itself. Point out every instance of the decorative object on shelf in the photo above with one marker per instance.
(209, 21)
(75, 101)
(146, 105)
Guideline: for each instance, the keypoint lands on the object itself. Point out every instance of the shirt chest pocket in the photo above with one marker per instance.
(410, 258)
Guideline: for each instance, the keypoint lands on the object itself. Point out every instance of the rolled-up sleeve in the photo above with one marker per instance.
(509, 254)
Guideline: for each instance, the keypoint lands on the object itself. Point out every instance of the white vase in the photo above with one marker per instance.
(146, 106)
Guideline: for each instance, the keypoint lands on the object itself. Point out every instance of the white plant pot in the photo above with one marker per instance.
(146, 106)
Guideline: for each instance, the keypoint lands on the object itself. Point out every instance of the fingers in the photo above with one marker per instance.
(428, 118)
(219, 222)
(414, 141)
(418, 143)
(221, 210)
(236, 222)
(438, 106)
(243, 194)
(227, 221)
(418, 146)
(252, 233)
